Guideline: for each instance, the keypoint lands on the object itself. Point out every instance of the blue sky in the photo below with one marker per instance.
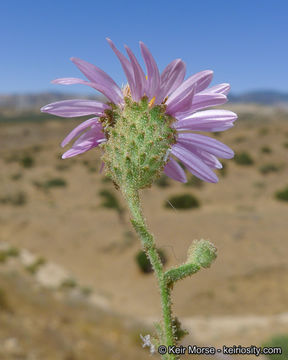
(244, 42)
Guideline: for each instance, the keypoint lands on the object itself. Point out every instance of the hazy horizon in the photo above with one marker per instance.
(94, 92)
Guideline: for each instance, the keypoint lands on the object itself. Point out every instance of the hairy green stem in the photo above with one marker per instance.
(138, 222)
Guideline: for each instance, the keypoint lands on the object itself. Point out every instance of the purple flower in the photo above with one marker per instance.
(183, 100)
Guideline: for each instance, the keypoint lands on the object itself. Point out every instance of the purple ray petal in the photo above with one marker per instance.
(207, 158)
(78, 129)
(202, 101)
(194, 164)
(71, 108)
(127, 68)
(139, 76)
(70, 81)
(218, 89)
(205, 143)
(202, 79)
(100, 79)
(102, 167)
(197, 81)
(101, 88)
(90, 139)
(153, 75)
(208, 120)
(171, 78)
(175, 171)
(182, 102)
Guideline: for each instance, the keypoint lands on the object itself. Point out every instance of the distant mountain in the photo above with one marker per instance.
(263, 97)
(35, 101)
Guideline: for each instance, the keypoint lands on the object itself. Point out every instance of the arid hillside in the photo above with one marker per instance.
(56, 210)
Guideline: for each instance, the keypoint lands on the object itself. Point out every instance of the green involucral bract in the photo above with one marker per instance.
(139, 138)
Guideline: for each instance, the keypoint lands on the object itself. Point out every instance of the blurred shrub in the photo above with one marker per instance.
(68, 284)
(91, 165)
(27, 161)
(279, 341)
(3, 256)
(16, 176)
(86, 291)
(37, 148)
(10, 252)
(243, 158)
(34, 267)
(163, 181)
(4, 304)
(51, 183)
(266, 149)
(6, 253)
(240, 139)
(285, 145)
(110, 202)
(259, 184)
(179, 332)
(269, 168)
(263, 131)
(282, 194)
(223, 171)
(55, 182)
(183, 202)
(194, 181)
(17, 199)
(217, 133)
(63, 166)
(128, 238)
(144, 263)
(106, 179)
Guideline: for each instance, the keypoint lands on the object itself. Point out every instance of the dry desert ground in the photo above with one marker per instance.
(241, 299)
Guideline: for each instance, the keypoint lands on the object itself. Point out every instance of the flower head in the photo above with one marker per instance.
(150, 123)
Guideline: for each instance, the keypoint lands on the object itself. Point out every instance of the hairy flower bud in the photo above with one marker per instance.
(202, 252)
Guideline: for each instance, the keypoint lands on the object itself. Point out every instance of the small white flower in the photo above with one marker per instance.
(147, 342)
